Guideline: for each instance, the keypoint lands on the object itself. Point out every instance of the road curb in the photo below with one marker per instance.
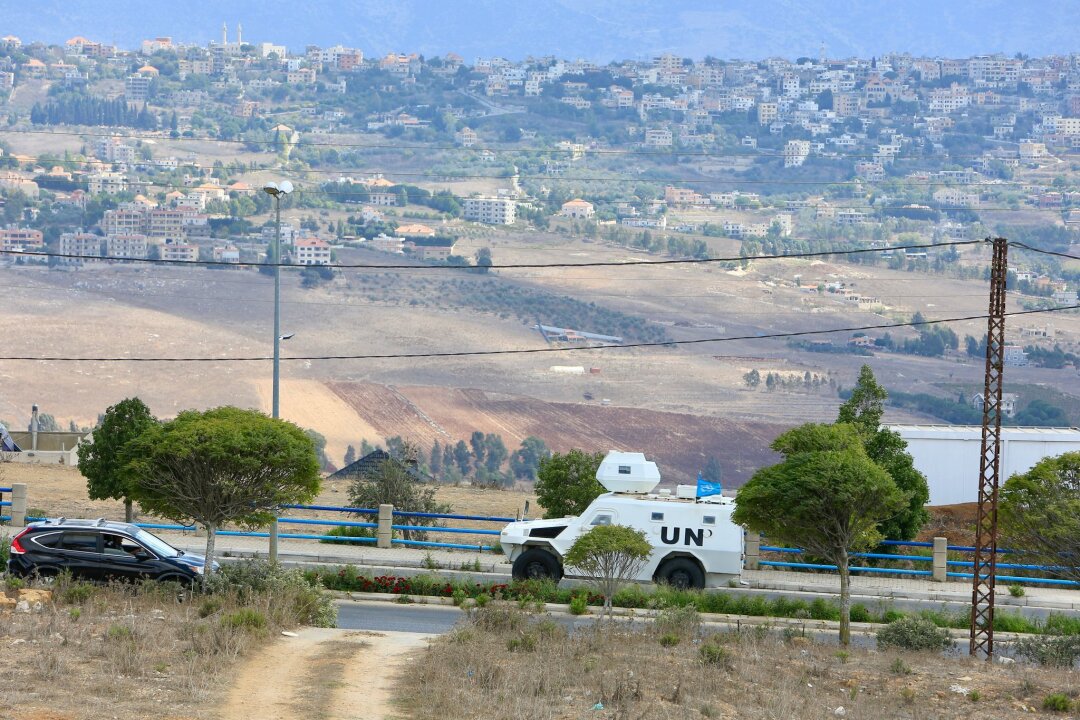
(630, 614)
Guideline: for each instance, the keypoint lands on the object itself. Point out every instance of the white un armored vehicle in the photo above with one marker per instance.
(694, 542)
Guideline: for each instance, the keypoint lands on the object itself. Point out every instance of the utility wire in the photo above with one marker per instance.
(526, 351)
(513, 266)
(1025, 246)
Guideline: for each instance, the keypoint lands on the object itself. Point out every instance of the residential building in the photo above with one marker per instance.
(137, 87)
(386, 243)
(1014, 356)
(180, 252)
(466, 137)
(79, 245)
(796, 152)
(227, 254)
(658, 137)
(1008, 403)
(416, 230)
(578, 209)
(15, 239)
(126, 246)
(311, 251)
(491, 211)
(108, 183)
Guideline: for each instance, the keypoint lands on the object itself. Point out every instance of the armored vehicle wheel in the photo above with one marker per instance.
(537, 564)
(681, 573)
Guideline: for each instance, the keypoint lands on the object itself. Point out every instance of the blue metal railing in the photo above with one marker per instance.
(924, 558)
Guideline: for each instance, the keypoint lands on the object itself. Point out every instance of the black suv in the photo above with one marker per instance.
(99, 550)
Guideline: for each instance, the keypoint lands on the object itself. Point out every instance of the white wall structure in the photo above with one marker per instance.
(949, 455)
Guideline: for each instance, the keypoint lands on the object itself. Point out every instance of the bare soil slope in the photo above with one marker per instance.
(681, 443)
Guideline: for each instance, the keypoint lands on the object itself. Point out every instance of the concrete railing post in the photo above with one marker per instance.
(385, 533)
(273, 540)
(18, 505)
(941, 556)
(752, 552)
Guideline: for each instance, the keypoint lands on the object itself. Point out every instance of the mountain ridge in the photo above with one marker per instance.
(599, 30)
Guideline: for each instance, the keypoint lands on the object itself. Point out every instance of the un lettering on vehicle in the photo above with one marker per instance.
(688, 536)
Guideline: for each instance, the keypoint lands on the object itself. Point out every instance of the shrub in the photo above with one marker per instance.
(859, 613)
(579, 605)
(209, 606)
(899, 667)
(1016, 590)
(348, 531)
(670, 640)
(913, 633)
(1053, 651)
(458, 597)
(482, 599)
(716, 655)
(13, 583)
(525, 642)
(77, 593)
(1057, 702)
(498, 618)
(681, 621)
(244, 619)
(295, 597)
(117, 633)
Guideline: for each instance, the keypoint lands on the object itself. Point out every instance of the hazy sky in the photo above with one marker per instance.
(597, 29)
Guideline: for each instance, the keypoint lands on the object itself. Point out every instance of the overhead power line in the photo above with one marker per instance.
(509, 266)
(524, 351)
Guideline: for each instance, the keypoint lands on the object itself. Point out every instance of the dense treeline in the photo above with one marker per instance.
(87, 110)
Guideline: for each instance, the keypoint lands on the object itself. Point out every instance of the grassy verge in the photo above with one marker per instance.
(505, 664)
(348, 578)
(104, 651)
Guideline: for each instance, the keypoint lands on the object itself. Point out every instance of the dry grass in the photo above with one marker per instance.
(123, 651)
(505, 664)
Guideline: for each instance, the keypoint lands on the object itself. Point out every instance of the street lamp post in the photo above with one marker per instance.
(276, 190)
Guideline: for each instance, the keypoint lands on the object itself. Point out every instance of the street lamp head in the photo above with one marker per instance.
(287, 337)
(283, 188)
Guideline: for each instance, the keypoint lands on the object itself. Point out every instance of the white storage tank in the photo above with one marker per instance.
(627, 472)
(949, 455)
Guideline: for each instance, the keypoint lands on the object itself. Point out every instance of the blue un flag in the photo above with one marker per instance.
(706, 488)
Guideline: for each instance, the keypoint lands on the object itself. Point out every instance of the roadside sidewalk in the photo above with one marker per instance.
(863, 588)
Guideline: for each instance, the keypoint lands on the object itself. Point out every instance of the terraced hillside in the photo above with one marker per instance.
(680, 443)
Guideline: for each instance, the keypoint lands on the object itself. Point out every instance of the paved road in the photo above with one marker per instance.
(438, 619)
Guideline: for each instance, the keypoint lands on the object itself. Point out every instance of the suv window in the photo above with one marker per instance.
(81, 541)
(120, 545)
(51, 539)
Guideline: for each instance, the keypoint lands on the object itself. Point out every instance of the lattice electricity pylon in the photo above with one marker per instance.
(982, 593)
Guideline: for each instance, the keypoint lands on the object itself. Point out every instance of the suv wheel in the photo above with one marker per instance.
(537, 564)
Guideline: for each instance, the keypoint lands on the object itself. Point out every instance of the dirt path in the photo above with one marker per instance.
(322, 674)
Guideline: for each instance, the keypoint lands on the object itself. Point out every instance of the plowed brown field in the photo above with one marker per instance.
(680, 443)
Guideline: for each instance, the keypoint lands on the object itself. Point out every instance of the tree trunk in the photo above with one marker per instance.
(845, 600)
(211, 536)
(129, 514)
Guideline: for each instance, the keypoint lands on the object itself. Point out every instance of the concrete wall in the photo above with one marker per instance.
(949, 455)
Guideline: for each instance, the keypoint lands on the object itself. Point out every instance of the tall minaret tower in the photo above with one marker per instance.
(239, 34)
(822, 58)
(224, 34)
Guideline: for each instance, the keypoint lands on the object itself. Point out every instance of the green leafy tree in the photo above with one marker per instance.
(350, 455)
(102, 461)
(713, 472)
(479, 447)
(526, 459)
(462, 457)
(827, 496)
(566, 482)
(864, 409)
(224, 465)
(436, 459)
(752, 379)
(1040, 514)
(608, 557)
(392, 483)
(495, 452)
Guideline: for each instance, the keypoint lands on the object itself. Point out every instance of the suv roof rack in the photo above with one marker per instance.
(100, 522)
(60, 520)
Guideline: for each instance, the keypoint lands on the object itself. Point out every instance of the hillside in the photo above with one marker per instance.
(680, 443)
